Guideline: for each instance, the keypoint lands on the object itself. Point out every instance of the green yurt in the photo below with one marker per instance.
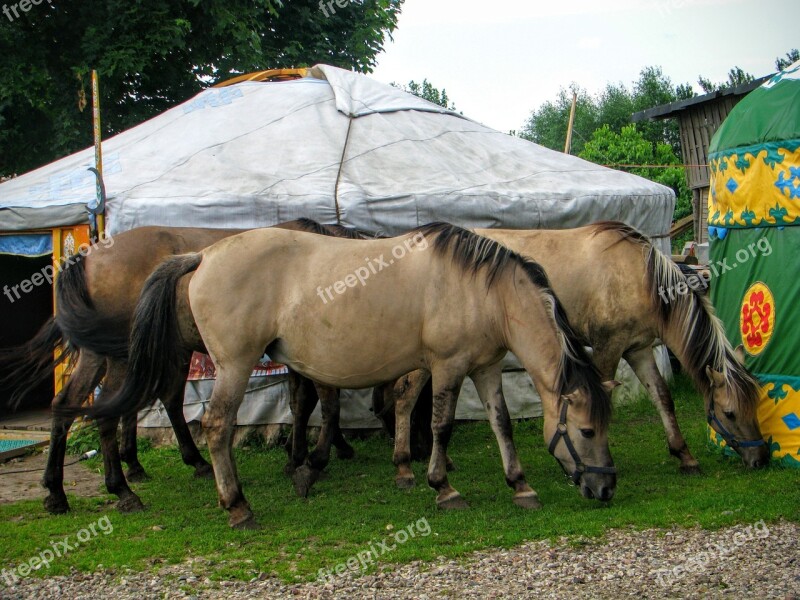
(754, 233)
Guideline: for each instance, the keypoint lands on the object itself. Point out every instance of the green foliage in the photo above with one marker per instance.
(352, 506)
(736, 76)
(84, 436)
(791, 57)
(629, 147)
(427, 91)
(153, 54)
(547, 126)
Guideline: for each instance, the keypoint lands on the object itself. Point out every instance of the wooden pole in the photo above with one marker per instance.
(571, 122)
(98, 151)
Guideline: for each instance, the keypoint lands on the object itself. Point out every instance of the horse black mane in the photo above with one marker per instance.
(474, 254)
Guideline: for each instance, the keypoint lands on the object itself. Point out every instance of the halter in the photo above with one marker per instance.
(580, 468)
(726, 435)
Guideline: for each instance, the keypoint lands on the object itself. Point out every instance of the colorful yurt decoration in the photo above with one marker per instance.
(754, 232)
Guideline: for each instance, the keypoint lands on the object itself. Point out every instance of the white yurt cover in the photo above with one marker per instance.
(335, 146)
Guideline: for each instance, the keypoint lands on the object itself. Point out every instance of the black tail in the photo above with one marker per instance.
(28, 364)
(80, 323)
(156, 346)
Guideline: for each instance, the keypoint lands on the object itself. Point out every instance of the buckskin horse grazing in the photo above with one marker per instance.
(621, 294)
(96, 297)
(472, 300)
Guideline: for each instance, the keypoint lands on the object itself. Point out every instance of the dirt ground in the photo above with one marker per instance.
(78, 479)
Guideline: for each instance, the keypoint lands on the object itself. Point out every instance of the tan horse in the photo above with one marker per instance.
(440, 298)
(96, 297)
(621, 294)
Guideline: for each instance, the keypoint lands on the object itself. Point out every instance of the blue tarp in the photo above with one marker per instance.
(38, 244)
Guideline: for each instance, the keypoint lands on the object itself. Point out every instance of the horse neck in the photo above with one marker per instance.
(695, 337)
(532, 336)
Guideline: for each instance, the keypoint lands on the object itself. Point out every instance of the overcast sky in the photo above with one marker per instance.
(500, 59)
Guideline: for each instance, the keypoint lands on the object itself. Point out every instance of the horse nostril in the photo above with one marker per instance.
(606, 494)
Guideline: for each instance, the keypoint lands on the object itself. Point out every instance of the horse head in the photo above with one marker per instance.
(731, 411)
(584, 454)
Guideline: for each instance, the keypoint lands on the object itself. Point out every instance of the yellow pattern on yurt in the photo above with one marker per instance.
(755, 186)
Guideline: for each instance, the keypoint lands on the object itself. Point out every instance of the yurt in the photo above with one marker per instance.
(754, 230)
(337, 147)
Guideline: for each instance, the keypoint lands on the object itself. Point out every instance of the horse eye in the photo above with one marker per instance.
(587, 433)
(729, 415)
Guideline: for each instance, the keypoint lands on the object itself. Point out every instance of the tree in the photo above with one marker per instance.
(547, 126)
(154, 54)
(736, 76)
(427, 91)
(791, 57)
(630, 147)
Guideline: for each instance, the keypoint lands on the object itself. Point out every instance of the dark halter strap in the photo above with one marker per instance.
(580, 468)
(726, 435)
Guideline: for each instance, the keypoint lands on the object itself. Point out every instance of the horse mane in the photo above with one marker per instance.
(473, 254)
(703, 341)
(334, 230)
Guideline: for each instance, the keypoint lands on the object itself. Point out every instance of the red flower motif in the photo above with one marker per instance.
(755, 307)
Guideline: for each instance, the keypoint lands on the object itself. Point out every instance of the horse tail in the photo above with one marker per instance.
(80, 323)
(28, 364)
(155, 341)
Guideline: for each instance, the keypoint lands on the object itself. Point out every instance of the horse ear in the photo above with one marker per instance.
(738, 352)
(568, 398)
(716, 378)
(610, 385)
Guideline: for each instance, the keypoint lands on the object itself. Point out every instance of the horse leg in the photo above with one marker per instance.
(421, 439)
(307, 474)
(218, 424)
(128, 450)
(87, 374)
(173, 404)
(302, 401)
(489, 384)
(643, 364)
(446, 387)
(112, 464)
(405, 393)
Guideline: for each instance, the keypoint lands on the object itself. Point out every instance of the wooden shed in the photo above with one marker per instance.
(699, 118)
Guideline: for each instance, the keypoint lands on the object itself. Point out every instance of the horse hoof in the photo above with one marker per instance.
(405, 483)
(690, 469)
(303, 478)
(247, 523)
(130, 504)
(56, 505)
(136, 475)
(204, 471)
(345, 453)
(452, 502)
(528, 501)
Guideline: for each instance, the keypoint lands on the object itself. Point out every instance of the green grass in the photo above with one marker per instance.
(358, 503)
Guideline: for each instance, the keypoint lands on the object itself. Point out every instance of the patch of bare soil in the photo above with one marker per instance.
(78, 479)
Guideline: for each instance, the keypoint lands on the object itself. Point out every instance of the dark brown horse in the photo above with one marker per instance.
(96, 296)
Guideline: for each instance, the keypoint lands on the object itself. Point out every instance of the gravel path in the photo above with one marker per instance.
(759, 561)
